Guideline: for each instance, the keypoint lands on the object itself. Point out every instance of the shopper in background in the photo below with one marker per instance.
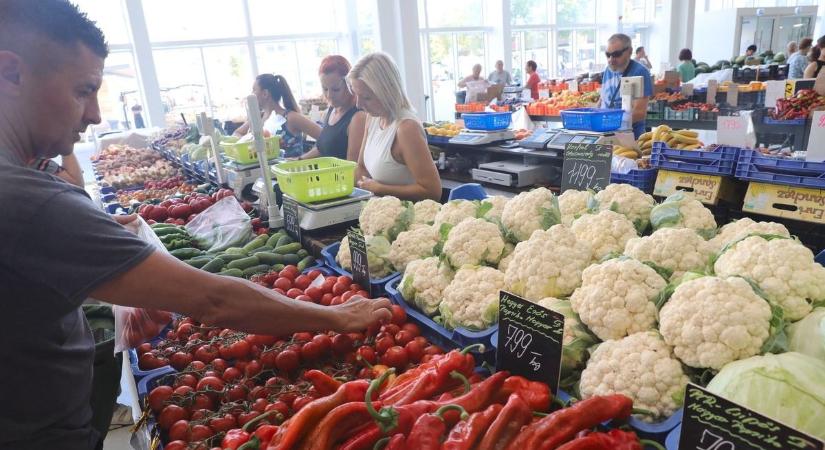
(790, 49)
(816, 59)
(619, 64)
(500, 76)
(475, 76)
(394, 159)
(59, 248)
(687, 71)
(641, 58)
(798, 61)
(275, 97)
(751, 50)
(343, 129)
(533, 79)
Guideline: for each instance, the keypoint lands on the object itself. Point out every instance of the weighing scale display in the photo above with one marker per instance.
(588, 139)
(562, 139)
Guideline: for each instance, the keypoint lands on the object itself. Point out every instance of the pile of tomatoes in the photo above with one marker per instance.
(328, 290)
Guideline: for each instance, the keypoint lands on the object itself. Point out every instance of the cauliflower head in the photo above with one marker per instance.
(473, 242)
(530, 211)
(413, 244)
(711, 321)
(682, 210)
(385, 216)
(573, 204)
(678, 250)
(741, 228)
(471, 299)
(549, 264)
(577, 339)
(628, 200)
(640, 366)
(454, 211)
(424, 283)
(493, 206)
(378, 249)
(424, 212)
(783, 268)
(607, 232)
(618, 298)
(344, 257)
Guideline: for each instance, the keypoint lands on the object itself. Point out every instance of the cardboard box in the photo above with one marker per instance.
(788, 202)
(708, 189)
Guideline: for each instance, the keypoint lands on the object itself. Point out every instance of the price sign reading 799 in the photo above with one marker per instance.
(586, 166)
(529, 340)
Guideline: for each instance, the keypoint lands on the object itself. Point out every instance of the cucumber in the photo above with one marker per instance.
(186, 253)
(302, 264)
(167, 231)
(238, 273)
(198, 261)
(229, 257)
(277, 268)
(214, 266)
(302, 253)
(260, 268)
(269, 258)
(288, 248)
(273, 240)
(292, 259)
(243, 263)
(265, 248)
(258, 242)
(283, 240)
(163, 225)
(235, 251)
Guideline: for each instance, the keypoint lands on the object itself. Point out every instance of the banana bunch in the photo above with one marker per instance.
(626, 152)
(645, 143)
(677, 139)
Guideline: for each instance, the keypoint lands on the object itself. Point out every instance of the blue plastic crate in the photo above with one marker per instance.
(820, 258)
(769, 121)
(644, 179)
(153, 380)
(592, 119)
(468, 191)
(487, 121)
(331, 251)
(460, 337)
(754, 166)
(721, 161)
(672, 441)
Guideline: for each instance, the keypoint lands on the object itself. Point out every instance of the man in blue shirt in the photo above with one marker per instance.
(799, 60)
(620, 64)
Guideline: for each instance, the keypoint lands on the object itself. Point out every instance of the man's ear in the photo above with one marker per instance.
(10, 69)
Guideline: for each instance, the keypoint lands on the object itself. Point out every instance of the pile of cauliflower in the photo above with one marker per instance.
(652, 294)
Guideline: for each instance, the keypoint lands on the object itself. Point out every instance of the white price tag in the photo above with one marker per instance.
(573, 85)
(816, 140)
(687, 89)
(713, 86)
(732, 130)
(733, 95)
(774, 90)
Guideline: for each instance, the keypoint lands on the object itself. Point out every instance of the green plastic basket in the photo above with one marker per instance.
(315, 180)
(244, 153)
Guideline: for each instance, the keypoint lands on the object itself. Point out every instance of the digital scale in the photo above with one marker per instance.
(332, 212)
(241, 177)
(557, 138)
(481, 137)
(515, 173)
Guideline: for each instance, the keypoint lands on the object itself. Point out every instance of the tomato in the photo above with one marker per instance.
(327, 286)
(243, 418)
(222, 424)
(287, 360)
(148, 361)
(294, 293)
(421, 341)
(336, 301)
(206, 353)
(300, 402)
(252, 368)
(414, 350)
(279, 406)
(171, 414)
(396, 357)
(203, 401)
(261, 339)
(303, 336)
(399, 316)
(270, 278)
(186, 379)
(176, 445)
(158, 396)
(310, 351)
(288, 398)
(324, 343)
(403, 337)
(304, 298)
(219, 365)
(283, 284)
(313, 274)
(231, 374)
(339, 288)
(268, 358)
(195, 337)
(433, 350)
(302, 282)
(211, 373)
(383, 344)
(343, 279)
(197, 365)
(260, 405)
(143, 348)
(326, 299)
(239, 349)
(355, 287)
(412, 328)
(179, 431)
(258, 392)
(235, 393)
(290, 272)
(367, 353)
(315, 293)
(185, 329)
(201, 432)
(391, 329)
(210, 384)
(346, 296)
(182, 391)
(341, 344)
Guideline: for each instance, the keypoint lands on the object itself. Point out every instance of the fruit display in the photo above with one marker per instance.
(122, 166)
(444, 129)
(704, 107)
(668, 97)
(563, 100)
(155, 190)
(800, 106)
(678, 139)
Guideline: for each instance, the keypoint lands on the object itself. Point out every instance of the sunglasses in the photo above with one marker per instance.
(617, 53)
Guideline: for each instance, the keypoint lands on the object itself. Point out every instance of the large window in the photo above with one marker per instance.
(284, 17)
(297, 61)
(187, 20)
(120, 92)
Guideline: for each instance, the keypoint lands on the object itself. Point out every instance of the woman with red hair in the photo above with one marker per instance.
(343, 128)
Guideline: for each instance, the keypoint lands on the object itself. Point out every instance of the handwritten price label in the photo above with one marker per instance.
(732, 130)
(731, 125)
(292, 222)
(530, 340)
(586, 166)
(358, 255)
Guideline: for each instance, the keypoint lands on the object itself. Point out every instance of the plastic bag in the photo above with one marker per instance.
(222, 225)
(521, 120)
(134, 326)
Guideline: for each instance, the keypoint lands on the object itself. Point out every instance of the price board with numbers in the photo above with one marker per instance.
(529, 340)
(292, 221)
(358, 255)
(586, 166)
(711, 422)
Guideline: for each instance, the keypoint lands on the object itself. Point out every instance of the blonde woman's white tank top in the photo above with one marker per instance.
(378, 159)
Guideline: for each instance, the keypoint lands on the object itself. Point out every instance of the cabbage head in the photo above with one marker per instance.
(807, 336)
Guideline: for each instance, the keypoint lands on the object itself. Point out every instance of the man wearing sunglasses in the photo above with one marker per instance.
(620, 64)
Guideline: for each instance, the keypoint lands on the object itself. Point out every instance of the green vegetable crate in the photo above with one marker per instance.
(244, 152)
(317, 179)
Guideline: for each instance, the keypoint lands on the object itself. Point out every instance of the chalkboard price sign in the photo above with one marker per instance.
(292, 221)
(711, 422)
(586, 166)
(529, 340)
(358, 255)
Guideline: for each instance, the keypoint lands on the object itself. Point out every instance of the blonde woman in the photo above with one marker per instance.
(394, 159)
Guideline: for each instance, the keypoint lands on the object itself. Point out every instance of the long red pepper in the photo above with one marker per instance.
(611, 440)
(323, 383)
(562, 425)
(515, 414)
(429, 429)
(467, 433)
(535, 393)
(235, 438)
(434, 374)
(335, 425)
